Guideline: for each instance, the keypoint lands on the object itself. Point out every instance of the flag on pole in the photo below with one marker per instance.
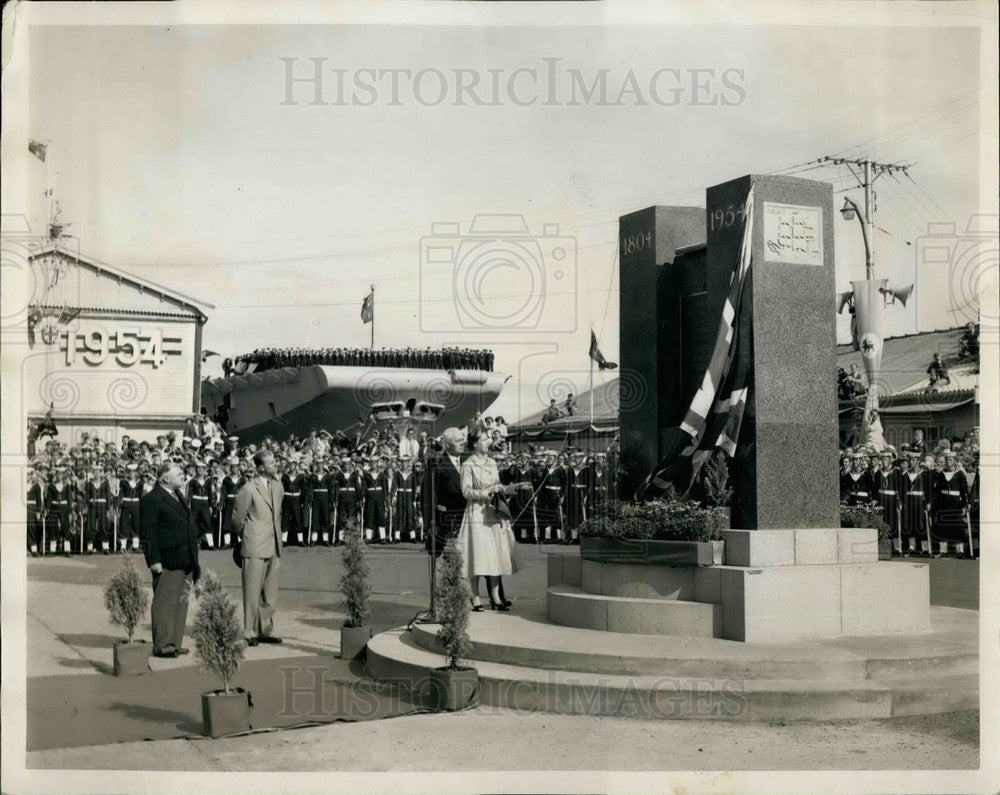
(597, 356)
(716, 413)
(37, 149)
(368, 308)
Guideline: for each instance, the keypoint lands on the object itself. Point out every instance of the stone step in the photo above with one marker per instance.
(395, 656)
(513, 640)
(571, 606)
(935, 694)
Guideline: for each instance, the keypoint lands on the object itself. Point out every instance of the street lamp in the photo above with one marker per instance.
(850, 211)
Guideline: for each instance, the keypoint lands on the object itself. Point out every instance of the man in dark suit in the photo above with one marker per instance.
(170, 544)
(442, 501)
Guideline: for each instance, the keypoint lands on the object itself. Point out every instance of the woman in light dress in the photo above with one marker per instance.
(485, 537)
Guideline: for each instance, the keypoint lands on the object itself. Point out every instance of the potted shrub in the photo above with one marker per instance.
(126, 598)
(453, 686)
(355, 585)
(220, 644)
(870, 515)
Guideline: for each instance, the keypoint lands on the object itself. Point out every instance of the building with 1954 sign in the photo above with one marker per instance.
(108, 352)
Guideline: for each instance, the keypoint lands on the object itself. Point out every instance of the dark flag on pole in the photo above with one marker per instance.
(368, 308)
(597, 356)
(716, 413)
(37, 149)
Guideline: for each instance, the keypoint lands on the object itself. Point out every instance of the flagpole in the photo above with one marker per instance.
(373, 317)
(591, 388)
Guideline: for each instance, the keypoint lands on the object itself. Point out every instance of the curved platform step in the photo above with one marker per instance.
(513, 640)
(395, 656)
(571, 606)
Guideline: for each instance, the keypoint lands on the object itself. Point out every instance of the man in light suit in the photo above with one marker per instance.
(257, 522)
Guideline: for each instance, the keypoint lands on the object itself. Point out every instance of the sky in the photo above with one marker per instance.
(182, 155)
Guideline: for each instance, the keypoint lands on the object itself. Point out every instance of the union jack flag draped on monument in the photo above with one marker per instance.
(715, 415)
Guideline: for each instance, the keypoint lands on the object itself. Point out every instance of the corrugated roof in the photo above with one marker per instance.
(905, 359)
(904, 371)
(605, 414)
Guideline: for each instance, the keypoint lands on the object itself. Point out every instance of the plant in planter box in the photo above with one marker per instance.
(356, 587)
(126, 598)
(453, 686)
(715, 481)
(670, 519)
(869, 515)
(220, 644)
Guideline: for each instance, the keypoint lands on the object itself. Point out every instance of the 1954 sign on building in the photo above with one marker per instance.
(107, 367)
(127, 347)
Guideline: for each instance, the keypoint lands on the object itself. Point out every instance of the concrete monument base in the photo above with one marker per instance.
(786, 584)
(774, 585)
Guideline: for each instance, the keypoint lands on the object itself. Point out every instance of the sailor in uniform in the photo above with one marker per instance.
(292, 505)
(230, 487)
(405, 511)
(950, 504)
(199, 493)
(858, 484)
(576, 501)
(96, 496)
(550, 490)
(320, 493)
(375, 502)
(522, 501)
(59, 499)
(36, 507)
(886, 487)
(349, 495)
(914, 502)
(129, 492)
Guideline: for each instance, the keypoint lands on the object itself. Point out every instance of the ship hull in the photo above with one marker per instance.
(296, 400)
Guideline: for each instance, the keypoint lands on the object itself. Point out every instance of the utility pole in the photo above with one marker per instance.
(866, 171)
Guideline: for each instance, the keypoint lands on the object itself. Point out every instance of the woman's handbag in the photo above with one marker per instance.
(500, 508)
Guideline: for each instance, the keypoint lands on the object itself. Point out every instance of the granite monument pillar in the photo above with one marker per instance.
(784, 474)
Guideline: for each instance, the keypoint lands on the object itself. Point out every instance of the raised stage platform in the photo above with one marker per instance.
(526, 663)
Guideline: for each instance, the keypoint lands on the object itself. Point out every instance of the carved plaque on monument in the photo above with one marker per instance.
(793, 234)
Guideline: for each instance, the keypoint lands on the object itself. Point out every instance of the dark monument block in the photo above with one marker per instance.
(650, 310)
(785, 473)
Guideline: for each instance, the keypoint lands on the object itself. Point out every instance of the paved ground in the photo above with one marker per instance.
(68, 634)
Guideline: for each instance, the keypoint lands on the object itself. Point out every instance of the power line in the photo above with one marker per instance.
(923, 119)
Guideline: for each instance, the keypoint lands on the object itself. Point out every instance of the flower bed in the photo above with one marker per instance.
(673, 532)
(662, 520)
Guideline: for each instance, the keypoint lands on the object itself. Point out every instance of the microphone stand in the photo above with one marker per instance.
(427, 616)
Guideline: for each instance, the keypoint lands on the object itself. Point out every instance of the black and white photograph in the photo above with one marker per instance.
(500, 397)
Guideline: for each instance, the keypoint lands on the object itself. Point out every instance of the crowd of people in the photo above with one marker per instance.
(84, 497)
(445, 358)
(927, 493)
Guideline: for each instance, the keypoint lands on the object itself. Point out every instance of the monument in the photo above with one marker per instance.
(789, 569)
(646, 627)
